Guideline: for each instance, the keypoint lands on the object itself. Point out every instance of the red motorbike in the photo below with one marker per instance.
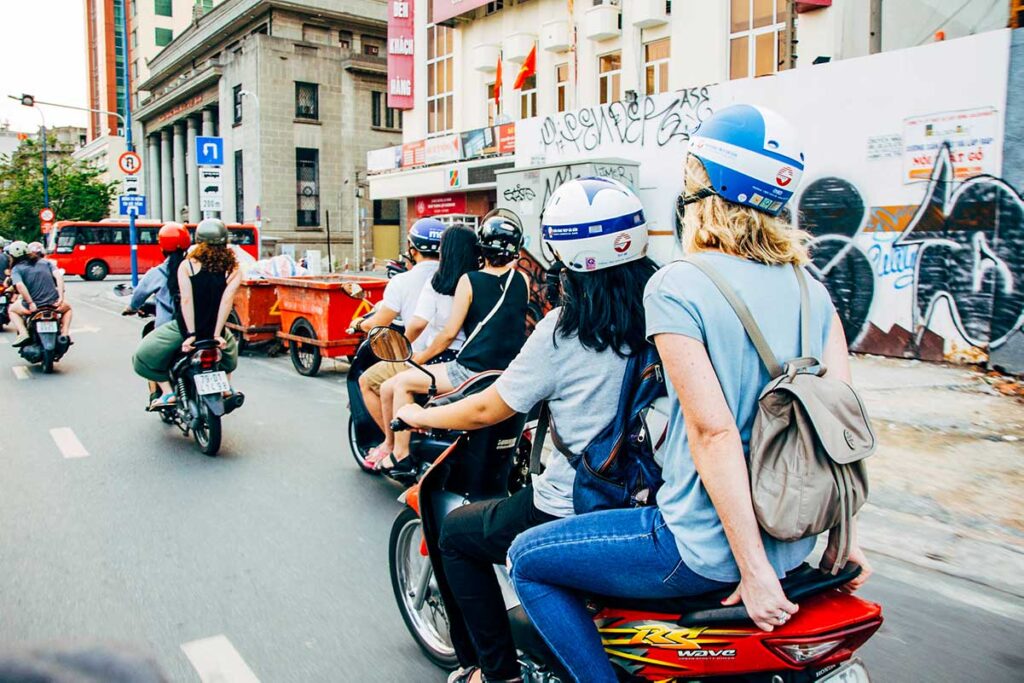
(682, 639)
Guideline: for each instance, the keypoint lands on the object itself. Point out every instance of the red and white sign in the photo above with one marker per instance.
(784, 176)
(622, 243)
(401, 46)
(130, 163)
(441, 205)
(442, 149)
(446, 9)
(46, 215)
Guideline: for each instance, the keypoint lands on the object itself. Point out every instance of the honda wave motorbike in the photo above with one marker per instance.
(6, 293)
(47, 345)
(679, 639)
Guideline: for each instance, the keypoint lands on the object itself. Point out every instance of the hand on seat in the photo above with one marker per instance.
(856, 556)
(766, 603)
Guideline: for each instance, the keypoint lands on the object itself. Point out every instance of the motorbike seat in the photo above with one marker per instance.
(707, 608)
(473, 385)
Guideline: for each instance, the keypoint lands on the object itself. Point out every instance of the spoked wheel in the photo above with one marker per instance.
(239, 337)
(428, 624)
(305, 357)
(207, 432)
(358, 452)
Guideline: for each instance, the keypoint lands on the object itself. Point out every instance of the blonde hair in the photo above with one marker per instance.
(714, 224)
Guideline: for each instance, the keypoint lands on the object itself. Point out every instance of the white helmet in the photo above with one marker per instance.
(17, 249)
(594, 223)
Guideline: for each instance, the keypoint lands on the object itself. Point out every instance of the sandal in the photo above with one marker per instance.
(463, 675)
(165, 401)
(393, 467)
(375, 455)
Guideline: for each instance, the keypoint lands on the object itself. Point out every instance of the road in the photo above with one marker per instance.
(280, 544)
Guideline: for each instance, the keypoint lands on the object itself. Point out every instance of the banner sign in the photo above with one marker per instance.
(443, 149)
(413, 154)
(440, 205)
(971, 134)
(484, 142)
(386, 159)
(400, 54)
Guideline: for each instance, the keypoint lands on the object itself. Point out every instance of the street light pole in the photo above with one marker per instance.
(133, 233)
(29, 101)
(259, 177)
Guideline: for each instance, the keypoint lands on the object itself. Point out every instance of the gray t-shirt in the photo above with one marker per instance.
(582, 390)
(38, 278)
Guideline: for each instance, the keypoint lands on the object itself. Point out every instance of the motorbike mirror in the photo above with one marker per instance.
(389, 345)
(123, 289)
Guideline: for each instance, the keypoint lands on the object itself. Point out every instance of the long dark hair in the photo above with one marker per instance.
(605, 309)
(174, 260)
(459, 255)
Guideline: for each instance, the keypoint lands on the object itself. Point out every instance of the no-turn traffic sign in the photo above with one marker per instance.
(129, 163)
(46, 215)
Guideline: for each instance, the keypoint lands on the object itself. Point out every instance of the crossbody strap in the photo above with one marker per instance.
(540, 433)
(805, 312)
(743, 313)
(497, 305)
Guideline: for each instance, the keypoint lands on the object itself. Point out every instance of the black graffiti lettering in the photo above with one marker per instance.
(519, 194)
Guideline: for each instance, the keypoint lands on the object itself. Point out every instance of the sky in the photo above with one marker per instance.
(42, 52)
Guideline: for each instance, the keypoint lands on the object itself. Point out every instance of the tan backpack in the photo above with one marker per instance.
(809, 440)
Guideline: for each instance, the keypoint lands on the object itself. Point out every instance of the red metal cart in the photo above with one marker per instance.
(316, 311)
(255, 318)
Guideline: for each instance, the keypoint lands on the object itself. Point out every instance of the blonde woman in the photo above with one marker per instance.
(741, 170)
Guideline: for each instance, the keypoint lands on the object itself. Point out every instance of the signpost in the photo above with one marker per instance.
(131, 205)
(46, 217)
(210, 158)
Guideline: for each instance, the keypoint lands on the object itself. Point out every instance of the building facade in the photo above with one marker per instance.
(296, 93)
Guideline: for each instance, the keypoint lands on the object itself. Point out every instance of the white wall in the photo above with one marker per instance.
(906, 23)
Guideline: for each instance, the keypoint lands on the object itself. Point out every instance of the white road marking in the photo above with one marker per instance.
(88, 328)
(21, 371)
(216, 660)
(68, 443)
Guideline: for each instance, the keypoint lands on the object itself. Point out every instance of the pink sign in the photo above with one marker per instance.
(400, 54)
(446, 9)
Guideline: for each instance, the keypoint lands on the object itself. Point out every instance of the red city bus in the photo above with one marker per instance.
(94, 250)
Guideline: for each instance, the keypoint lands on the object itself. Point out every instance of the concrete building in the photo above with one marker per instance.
(296, 93)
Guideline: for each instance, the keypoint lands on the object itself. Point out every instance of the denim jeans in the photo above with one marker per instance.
(627, 553)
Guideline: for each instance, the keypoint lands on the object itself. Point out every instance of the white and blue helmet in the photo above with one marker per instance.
(594, 223)
(752, 155)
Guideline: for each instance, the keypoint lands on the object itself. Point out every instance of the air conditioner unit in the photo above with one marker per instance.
(602, 22)
(647, 13)
(555, 36)
(517, 47)
(485, 58)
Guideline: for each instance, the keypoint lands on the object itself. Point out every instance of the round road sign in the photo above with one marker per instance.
(46, 215)
(129, 163)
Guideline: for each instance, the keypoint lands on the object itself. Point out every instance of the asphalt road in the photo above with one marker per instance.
(279, 545)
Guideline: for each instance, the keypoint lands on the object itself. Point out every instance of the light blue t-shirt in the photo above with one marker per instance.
(680, 299)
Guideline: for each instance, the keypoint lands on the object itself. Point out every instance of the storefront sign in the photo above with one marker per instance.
(441, 205)
(443, 149)
(400, 54)
(386, 159)
(446, 9)
(412, 154)
(972, 136)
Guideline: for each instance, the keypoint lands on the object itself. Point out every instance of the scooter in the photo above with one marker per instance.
(6, 292)
(46, 345)
(680, 639)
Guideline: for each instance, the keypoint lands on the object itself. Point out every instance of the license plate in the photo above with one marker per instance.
(3, 299)
(212, 383)
(46, 326)
(852, 672)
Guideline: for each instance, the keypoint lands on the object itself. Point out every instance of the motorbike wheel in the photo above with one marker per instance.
(207, 433)
(305, 357)
(47, 362)
(239, 337)
(428, 625)
(358, 452)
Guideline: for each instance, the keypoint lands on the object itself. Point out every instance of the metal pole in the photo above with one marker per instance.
(357, 236)
(330, 260)
(46, 171)
(133, 233)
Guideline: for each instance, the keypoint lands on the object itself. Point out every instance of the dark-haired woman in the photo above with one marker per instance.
(207, 280)
(459, 255)
(575, 360)
(489, 308)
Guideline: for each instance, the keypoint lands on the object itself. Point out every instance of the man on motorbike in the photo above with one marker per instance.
(40, 283)
(161, 280)
(400, 298)
(575, 361)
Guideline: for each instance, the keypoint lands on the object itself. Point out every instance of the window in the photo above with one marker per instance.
(383, 116)
(135, 38)
(307, 181)
(371, 49)
(440, 86)
(134, 10)
(135, 70)
(307, 101)
(236, 100)
(562, 87)
(207, 5)
(239, 188)
(345, 39)
(163, 8)
(609, 80)
(656, 58)
(758, 37)
(148, 236)
(163, 36)
(494, 6)
(528, 98)
(387, 212)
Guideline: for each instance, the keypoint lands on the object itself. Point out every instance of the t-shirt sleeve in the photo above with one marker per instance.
(531, 376)
(668, 304)
(16, 277)
(394, 292)
(426, 306)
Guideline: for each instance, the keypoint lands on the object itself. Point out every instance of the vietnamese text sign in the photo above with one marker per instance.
(441, 205)
(131, 204)
(973, 139)
(400, 54)
(442, 149)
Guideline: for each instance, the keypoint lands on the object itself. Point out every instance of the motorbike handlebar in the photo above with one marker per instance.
(400, 425)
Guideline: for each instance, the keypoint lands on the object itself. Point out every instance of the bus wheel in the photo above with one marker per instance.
(96, 270)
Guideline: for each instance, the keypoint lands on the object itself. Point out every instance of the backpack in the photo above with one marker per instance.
(810, 437)
(617, 468)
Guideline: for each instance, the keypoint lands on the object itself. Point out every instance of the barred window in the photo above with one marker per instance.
(239, 188)
(307, 98)
(383, 116)
(236, 103)
(307, 177)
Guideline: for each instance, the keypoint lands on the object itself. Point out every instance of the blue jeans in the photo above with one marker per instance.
(627, 553)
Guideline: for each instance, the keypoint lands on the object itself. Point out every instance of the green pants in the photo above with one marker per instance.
(160, 347)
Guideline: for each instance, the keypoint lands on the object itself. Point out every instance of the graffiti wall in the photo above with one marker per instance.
(917, 235)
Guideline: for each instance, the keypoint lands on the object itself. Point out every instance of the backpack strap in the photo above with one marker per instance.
(805, 311)
(544, 421)
(743, 313)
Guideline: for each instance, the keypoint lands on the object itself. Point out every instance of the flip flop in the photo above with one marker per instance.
(165, 401)
(375, 455)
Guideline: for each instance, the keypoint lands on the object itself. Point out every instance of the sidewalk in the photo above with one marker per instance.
(947, 478)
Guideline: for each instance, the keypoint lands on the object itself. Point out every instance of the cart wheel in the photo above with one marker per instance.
(305, 357)
(239, 336)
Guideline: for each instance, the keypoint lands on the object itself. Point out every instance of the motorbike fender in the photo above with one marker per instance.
(33, 353)
(214, 403)
(48, 340)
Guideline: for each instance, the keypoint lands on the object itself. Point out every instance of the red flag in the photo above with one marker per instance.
(497, 85)
(529, 68)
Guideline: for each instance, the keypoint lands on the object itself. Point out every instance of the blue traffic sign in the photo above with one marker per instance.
(131, 204)
(209, 151)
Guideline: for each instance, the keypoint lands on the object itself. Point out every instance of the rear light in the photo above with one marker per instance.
(209, 358)
(801, 652)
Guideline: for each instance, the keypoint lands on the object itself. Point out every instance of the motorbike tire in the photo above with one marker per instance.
(239, 337)
(404, 546)
(47, 362)
(358, 452)
(305, 357)
(208, 435)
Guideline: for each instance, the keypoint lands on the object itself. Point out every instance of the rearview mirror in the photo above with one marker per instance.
(355, 290)
(123, 289)
(390, 345)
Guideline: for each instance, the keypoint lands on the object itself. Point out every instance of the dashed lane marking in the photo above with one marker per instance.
(215, 659)
(68, 443)
(21, 371)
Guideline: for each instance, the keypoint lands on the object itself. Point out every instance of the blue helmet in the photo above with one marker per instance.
(425, 236)
(752, 155)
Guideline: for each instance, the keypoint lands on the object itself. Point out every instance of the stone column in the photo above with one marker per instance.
(153, 176)
(166, 177)
(208, 122)
(194, 214)
(179, 170)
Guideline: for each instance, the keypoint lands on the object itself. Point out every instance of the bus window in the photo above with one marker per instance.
(86, 235)
(243, 236)
(147, 236)
(66, 240)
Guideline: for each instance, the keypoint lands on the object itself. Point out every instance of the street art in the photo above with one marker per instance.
(960, 253)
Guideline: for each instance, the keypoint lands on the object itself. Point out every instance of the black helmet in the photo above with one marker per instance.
(212, 231)
(500, 234)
